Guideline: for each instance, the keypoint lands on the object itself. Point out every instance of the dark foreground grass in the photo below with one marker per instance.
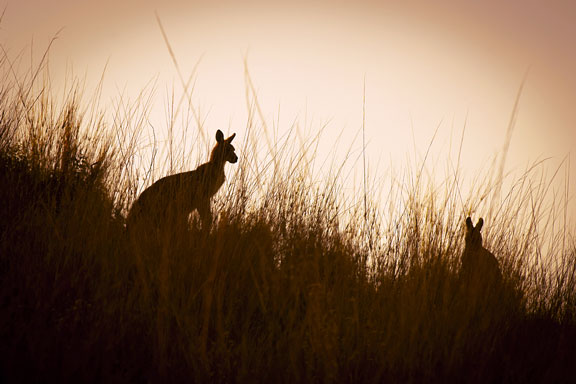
(285, 288)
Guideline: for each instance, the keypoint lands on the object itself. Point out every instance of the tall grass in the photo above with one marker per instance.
(295, 282)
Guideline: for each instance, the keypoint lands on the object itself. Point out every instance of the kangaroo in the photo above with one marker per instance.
(478, 264)
(170, 200)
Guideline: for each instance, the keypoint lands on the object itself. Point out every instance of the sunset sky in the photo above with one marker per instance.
(424, 63)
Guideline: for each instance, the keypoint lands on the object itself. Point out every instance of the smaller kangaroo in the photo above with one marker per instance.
(170, 200)
(478, 264)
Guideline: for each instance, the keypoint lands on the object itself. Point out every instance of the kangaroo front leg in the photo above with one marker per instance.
(205, 215)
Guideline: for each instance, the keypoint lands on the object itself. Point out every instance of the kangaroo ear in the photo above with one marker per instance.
(469, 223)
(480, 224)
(219, 136)
(231, 138)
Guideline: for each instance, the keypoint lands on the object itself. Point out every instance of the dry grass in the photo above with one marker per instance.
(295, 283)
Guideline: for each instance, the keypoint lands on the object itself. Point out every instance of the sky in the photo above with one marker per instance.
(420, 65)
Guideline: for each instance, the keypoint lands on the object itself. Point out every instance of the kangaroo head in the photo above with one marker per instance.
(473, 237)
(224, 150)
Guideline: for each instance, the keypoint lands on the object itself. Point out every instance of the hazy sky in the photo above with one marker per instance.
(425, 63)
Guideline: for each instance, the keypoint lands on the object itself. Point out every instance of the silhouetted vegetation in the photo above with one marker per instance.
(292, 284)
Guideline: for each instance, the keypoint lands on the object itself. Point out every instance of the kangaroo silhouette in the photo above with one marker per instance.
(478, 264)
(170, 200)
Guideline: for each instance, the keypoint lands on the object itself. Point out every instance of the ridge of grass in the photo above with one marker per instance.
(285, 288)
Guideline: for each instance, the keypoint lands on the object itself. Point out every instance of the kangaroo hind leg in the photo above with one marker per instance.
(205, 215)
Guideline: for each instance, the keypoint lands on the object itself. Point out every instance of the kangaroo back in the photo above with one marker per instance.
(165, 200)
